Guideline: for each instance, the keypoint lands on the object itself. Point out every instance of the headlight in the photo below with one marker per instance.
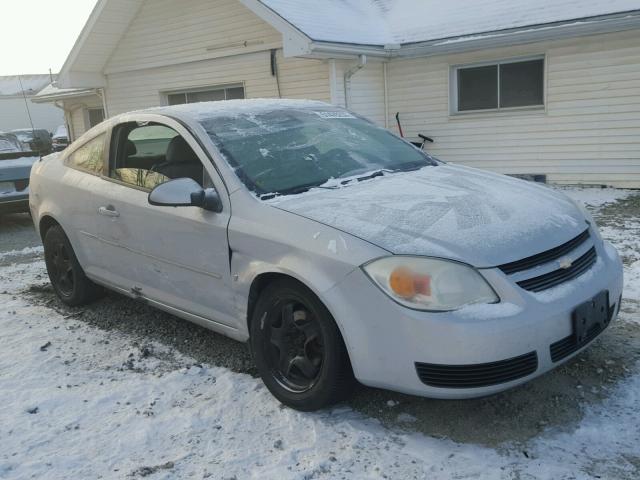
(428, 283)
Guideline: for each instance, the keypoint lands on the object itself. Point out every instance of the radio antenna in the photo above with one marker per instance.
(26, 105)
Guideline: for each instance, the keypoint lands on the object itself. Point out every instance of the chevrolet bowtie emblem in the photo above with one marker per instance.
(565, 263)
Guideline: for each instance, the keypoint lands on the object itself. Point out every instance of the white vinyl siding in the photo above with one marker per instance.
(167, 32)
(367, 89)
(303, 78)
(78, 126)
(588, 132)
(300, 78)
(195, 44)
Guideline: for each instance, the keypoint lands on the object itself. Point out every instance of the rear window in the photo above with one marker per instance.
(89, 157)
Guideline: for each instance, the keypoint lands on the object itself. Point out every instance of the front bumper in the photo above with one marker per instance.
(385, 340)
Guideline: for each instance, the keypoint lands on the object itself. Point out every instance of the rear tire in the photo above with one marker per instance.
(65, 273)
(298, 348)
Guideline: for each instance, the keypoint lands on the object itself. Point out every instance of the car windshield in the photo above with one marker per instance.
(291, 150)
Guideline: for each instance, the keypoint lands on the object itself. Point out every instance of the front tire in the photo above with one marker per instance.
(65, 273)
(298, 348)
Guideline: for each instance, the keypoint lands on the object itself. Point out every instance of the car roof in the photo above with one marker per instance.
(196, 111)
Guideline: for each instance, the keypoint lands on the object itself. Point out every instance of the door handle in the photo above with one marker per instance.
(108, 211)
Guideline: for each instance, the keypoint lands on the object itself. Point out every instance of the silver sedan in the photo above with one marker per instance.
(339, 251)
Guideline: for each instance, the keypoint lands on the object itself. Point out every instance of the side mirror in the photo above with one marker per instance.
(185, 192)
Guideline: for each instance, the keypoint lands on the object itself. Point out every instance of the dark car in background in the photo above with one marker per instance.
(16, 160)
(60, 139)
(38, 140)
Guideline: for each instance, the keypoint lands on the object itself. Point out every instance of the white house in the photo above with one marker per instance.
(83, 107)
(15, 111)
(517, 86)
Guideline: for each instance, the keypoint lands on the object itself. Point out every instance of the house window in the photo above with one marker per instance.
(500, 85)
(96, 116)
(229, 92)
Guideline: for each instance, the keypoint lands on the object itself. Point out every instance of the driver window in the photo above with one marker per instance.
(149, 154)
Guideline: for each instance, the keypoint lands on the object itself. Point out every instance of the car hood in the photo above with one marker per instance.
(456, 212)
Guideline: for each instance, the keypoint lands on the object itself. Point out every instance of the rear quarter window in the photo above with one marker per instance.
(89, 157)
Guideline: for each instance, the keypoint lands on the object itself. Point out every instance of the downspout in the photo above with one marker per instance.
(362, 61)
(103, 95)
(386, 95)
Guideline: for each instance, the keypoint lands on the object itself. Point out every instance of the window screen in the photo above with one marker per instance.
(209, 95)
(503, 85)
(96, 116)
(89, 157)
(478, 88)
(521, 83)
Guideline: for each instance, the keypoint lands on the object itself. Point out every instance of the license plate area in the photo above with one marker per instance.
(591, 317)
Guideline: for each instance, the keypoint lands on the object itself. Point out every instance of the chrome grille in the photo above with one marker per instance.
(545, 270)
(551, 279)
(545, 257)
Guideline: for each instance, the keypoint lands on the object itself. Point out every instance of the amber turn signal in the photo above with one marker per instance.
(406, 284)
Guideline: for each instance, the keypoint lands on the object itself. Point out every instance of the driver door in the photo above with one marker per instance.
(177, 257)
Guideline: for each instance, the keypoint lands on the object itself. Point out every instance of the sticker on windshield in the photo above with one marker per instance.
(335, 114)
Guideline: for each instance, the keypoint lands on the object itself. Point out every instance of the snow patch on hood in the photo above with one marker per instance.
(448, 211)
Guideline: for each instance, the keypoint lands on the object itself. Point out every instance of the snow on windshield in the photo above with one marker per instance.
(287, 150)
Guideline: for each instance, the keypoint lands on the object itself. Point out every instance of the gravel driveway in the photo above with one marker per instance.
(556, 401)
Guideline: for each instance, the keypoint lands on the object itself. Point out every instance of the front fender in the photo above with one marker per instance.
(264, 239)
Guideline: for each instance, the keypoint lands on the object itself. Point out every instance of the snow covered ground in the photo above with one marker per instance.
(81, 402)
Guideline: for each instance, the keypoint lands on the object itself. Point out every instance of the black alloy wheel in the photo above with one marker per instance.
(298, 348)
(293, 341)
(65, 273)
(60, 269)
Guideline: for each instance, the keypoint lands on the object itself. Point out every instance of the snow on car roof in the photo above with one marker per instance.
(235, 107)
(381, 22)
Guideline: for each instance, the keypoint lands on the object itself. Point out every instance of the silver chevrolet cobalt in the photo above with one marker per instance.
(336, 249)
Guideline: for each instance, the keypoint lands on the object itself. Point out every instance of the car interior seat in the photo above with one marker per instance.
(182, 161)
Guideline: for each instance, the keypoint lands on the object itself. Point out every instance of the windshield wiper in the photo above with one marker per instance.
(368, 176)
(408, 167)
(296, 190)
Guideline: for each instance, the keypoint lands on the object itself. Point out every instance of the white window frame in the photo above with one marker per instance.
(164, 95)
(453, 86)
